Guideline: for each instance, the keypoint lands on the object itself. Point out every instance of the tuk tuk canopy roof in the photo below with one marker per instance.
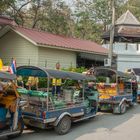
(108, 72)
(43, 72)
(7, 76)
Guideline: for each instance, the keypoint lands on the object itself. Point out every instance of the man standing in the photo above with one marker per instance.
(134, 91)
(56, 82)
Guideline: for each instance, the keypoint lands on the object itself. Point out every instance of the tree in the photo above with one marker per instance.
(87, 26)
(14, 9)
(134, 7)
(88, 19)
(4, 6)
(50, 15)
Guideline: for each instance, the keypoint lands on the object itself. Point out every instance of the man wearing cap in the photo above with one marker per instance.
(56, 82)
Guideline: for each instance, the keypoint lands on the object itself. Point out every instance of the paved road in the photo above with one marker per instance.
(105, 126)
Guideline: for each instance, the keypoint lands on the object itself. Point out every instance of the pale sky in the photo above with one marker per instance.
(69, 2)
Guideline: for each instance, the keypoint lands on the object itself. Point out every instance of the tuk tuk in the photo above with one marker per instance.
(75, 103)
(136, 73)
(11, 123)
(115, 90)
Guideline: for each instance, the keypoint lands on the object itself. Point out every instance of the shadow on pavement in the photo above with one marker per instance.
(105, 121)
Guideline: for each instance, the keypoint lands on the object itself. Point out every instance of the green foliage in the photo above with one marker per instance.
(103, 79)
(52, 16)
(133, 6)
(69, 83)
(4, 5)
(42, 83)
(100, 79)
(79, 70)
(73, 82)
(86, 19)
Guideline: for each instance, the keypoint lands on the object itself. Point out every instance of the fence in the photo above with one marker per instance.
(49, 63)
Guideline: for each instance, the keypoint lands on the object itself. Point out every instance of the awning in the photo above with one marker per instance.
(43, 72)
(92, 56)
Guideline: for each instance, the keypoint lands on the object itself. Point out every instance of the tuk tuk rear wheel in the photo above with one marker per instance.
(63, 126)
(123, 108)
(20, 128)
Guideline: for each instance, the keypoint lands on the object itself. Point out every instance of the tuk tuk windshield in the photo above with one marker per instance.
(111, 75)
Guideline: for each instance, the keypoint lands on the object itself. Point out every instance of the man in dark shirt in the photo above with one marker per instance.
(134, 90)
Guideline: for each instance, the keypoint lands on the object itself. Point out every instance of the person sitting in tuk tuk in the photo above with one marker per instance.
(32, 83)
(20, 82)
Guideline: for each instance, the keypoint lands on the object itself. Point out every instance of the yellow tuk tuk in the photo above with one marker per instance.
(11, 123)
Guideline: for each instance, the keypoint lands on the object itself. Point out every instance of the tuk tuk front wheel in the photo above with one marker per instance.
(63, 126)
(20, 128)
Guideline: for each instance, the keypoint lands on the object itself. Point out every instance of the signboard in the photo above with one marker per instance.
(107, 62)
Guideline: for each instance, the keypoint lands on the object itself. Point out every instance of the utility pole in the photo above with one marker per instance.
(110, 54)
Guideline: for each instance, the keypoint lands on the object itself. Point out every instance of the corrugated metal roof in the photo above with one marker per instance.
(42, 38)
(6, 21)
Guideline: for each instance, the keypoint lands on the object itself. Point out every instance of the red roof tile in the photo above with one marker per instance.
(45, 38)
(6, 21)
